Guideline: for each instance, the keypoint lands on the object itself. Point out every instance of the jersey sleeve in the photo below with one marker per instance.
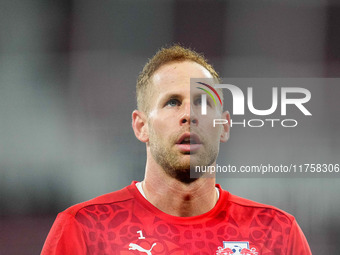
(297, 242)
(65, 237)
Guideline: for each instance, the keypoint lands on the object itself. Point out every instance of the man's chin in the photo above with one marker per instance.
(186, 173)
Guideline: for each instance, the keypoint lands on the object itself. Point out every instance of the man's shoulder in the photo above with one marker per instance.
(259, 208)
(111, 198)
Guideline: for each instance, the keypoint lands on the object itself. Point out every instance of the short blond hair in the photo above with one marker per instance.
(175, 53)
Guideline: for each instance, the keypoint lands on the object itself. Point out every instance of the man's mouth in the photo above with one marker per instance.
(189, 143)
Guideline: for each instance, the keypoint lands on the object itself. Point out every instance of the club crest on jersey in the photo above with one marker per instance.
(236, 248)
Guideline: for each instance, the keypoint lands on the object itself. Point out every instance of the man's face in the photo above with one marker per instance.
(179, 136)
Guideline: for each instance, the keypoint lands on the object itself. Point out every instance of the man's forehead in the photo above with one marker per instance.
(175, 72)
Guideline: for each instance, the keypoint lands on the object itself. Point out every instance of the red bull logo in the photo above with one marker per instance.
(252, 251)
(235, 248)
(224, 251)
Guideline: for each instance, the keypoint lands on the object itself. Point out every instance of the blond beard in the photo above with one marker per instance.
(172, 161)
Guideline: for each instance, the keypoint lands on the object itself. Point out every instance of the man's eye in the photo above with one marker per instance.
(198, 101)
(173, 102)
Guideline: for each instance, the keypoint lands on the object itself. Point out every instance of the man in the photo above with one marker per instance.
(169, 212)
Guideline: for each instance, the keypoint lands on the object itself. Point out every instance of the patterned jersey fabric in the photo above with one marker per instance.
(124, 222)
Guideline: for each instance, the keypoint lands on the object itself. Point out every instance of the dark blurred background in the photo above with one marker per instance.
(67, 89)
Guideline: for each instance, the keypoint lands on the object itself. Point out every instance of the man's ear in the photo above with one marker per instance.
(226, 127)
(139, 125)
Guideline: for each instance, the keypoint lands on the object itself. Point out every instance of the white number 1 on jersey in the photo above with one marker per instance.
(140, 234)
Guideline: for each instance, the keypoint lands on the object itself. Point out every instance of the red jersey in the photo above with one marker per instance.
(124, 222)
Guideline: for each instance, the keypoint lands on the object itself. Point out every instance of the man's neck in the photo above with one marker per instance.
(177, 198)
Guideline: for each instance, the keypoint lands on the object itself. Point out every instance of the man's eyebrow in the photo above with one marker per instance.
(171, 95)
(164, 98)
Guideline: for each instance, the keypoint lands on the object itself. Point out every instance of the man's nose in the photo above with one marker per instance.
(188, 116)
